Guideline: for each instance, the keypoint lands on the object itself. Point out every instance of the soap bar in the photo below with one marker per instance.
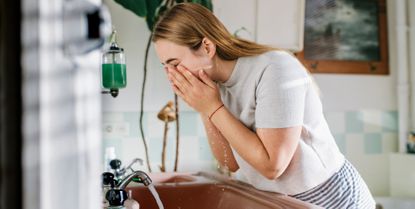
(131, 204)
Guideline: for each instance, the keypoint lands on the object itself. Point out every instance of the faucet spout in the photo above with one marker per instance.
(138, 176)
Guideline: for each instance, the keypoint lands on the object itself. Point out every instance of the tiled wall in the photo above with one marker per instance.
(365, 137)
(377, 129)
(121, 130)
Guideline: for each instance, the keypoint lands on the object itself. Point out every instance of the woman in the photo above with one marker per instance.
(262, 115)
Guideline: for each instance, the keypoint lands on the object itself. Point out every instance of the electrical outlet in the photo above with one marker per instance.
(118, 129)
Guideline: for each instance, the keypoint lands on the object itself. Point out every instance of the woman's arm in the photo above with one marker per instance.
(219, 146)
(268, 150)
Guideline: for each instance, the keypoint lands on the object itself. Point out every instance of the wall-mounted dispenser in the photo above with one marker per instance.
(114, 72)
(86, 25)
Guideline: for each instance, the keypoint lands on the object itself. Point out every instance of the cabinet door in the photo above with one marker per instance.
(280, 23)
(239, 16)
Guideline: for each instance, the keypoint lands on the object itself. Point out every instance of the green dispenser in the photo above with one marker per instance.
(114, 72)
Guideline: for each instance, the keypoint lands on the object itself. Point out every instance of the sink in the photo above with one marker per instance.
(179, 179)
(210, 191)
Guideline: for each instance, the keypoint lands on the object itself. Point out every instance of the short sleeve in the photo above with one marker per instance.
(280, 95)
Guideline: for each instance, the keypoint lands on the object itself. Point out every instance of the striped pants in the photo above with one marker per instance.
(345, 189)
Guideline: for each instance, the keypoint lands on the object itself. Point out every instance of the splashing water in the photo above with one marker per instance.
(156, 196)
(225, 156)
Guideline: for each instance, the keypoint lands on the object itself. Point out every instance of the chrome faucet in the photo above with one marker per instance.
(120, 172)
(136, 176)
(117, 182)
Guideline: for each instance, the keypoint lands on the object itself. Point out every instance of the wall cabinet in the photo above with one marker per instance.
(279, 23)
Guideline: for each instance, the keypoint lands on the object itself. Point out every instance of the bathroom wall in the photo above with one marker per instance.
(362, 113)
(121, 115)
(361, 110)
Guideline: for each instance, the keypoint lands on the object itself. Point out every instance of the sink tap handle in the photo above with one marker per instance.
(115, 164)
(107, 178)
(135, 160)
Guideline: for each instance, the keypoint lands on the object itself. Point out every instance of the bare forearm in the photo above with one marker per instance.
(219, 146)
(260, 149)
(243, 140)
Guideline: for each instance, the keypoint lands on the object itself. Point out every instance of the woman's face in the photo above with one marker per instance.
(171, 55)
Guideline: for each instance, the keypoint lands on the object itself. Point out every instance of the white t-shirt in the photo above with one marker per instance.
(273, 90)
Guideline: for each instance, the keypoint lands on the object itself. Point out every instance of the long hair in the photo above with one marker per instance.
(187, 24)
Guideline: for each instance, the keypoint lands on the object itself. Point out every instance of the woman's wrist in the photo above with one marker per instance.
(207, 111)
(214, 111)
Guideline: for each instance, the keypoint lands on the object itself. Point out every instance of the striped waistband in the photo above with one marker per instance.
(345, 189)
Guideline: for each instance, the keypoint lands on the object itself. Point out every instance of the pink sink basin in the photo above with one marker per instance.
(206, 191)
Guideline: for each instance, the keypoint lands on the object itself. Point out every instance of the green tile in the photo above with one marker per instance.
(188, 123)
(201, 132)
(156, 148)
(354, 122)
(390, 121)
(373, 143)
(341, 142)
(171, 152)
(172, 130)
(205, 153)
(133, 118)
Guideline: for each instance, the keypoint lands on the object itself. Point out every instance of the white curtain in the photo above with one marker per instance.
(62, 115)
(405, 64)
(411, 15)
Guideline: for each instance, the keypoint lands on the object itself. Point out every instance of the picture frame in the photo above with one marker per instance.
(345, 36)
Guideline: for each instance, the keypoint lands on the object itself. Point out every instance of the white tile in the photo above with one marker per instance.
(155, 127)
(374, 170)
(336, 122)
(189, 154)
(354, 146)
(402, 178)
(209, 166)
(133, 148)
(390, 142)
(372, 121)
(113, 117)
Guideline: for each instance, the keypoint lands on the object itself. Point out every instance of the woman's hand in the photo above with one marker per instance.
(202, 95)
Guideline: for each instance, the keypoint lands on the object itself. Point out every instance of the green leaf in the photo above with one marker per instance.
(205, 3)
(151, 18)
(208, 4)
(138, 7)
(150, 9)
(160, 11)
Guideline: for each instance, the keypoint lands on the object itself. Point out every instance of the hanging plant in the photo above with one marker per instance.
(151, 10)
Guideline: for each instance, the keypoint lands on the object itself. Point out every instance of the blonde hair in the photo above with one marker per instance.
(187, 24)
